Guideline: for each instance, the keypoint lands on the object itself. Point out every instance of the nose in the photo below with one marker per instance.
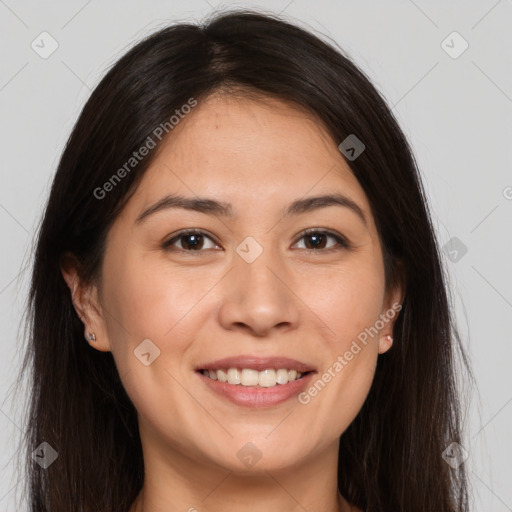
(258, 297)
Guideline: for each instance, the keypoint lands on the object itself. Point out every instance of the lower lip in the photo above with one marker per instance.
(252, 396)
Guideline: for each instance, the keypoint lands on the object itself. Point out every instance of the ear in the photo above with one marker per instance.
(392, 306)
(85, 298)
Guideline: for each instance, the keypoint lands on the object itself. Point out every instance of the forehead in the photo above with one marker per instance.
(254, 154)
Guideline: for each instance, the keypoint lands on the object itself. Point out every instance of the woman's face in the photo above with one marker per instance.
(248, 283)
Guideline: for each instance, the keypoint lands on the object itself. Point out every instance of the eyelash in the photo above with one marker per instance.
(342, 241)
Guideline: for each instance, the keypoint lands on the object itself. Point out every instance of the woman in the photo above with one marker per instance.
(237, 299)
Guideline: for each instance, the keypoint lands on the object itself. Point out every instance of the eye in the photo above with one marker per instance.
(191, 240)
(316, 239)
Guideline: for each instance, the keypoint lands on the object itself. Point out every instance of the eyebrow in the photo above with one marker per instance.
(214, 207)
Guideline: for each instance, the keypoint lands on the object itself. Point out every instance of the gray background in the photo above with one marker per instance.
(455, 111)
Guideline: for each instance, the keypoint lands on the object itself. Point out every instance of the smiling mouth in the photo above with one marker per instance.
(249, 377)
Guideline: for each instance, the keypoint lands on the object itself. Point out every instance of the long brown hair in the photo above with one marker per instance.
(391, 456)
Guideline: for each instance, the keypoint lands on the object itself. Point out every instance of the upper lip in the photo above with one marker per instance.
(257, 363)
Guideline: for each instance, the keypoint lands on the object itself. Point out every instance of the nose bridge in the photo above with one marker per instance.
(256, 263)
(253, 265)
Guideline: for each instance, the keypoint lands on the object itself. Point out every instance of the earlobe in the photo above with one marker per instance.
(385, 343)
(85, 305)
(393, 305)
(390, 314)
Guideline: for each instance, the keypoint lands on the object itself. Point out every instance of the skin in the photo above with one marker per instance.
(201, 306)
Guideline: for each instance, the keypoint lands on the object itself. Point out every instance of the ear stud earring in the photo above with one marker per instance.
(389, 339)
(91, 336)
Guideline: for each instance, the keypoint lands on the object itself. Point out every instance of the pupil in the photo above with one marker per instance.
(317, 238)
(195, 243)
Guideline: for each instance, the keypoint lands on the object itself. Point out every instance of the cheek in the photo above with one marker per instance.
(349, 305)
(146, 297)
(150, 300)
(349, 301)
(146, 303)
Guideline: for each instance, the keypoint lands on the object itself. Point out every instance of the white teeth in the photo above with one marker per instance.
(267, 378)
(249, 377)
(282, 376)
(233, 376)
